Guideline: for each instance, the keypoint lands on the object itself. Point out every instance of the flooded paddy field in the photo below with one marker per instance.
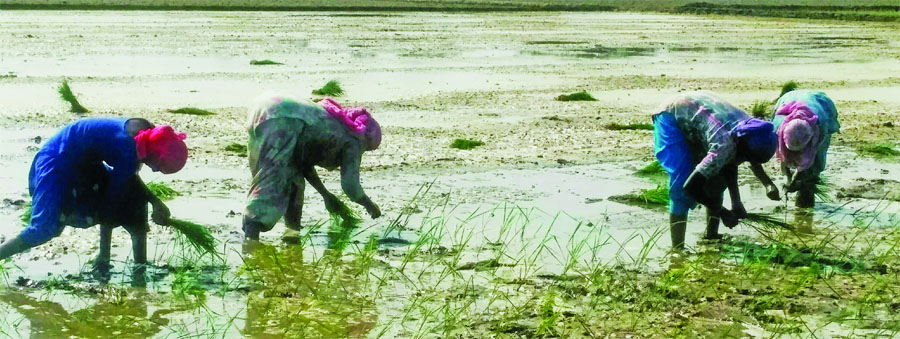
(523, 236)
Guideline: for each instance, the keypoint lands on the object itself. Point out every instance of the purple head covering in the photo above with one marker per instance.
(760, 137)
(357, 119)
(790, 131)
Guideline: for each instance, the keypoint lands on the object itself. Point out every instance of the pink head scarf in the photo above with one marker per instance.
(163, 144)
(799, 128)
(357, 119)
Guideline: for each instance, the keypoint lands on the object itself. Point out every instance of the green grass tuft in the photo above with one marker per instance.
(345, 216)
(879, 150)
(66, 94)
(760, 109)
(465, 144)
(577, 96)
(196, 235)
(191, 111)
(161, 191)
(822, 189)
(331, 88)
(633, 126)
(265, 62)
(788, 86)
(237, 149)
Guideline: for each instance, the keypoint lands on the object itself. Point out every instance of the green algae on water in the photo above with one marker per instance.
(465, 144)
(331, 88)
(191, 111)
(577, 96)
(66, 94)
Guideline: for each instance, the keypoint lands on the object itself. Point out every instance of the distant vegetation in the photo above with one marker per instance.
(238, 149)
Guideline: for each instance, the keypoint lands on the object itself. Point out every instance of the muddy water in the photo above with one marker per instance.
(430, 77)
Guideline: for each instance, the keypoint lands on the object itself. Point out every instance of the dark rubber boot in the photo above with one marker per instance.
(805, 197)
(712, 227)
(677, 228)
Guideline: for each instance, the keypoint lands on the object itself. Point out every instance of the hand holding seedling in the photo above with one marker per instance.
(161, 213)
(772, 192)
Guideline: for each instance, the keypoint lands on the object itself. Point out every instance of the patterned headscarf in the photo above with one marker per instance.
(799, 128)
(357, 119)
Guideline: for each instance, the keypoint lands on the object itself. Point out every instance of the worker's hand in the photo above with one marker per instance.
(728, 218)
(373, 210)
(160, 214)
(793, 186)
(738, 211)
(332, 203)
(772, 192)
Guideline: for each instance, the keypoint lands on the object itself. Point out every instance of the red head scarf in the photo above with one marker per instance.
(163, 144)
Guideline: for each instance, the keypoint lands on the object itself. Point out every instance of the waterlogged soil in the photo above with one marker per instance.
(519, 237)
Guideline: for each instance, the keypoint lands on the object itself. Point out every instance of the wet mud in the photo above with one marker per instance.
(522, 236)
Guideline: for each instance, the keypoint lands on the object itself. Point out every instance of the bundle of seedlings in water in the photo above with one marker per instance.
(633, 126)
(465, 144)
(654, 197)
(652, 169)
(191, 111)
(264, 62)
(162, 191)
(196, 235)
(577, 96)
(760, 109)
(66, 94)
(331, 88)
(882, 150)
(788, 86)
(237, 149)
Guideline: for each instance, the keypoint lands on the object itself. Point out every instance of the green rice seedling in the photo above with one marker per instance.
(465, 144)
(264, 62)
(331, 88)
(577, 96)
(162, 191)
(878, 150)
(633, 126)
(822, 189)
(788, 86)
(760, 109)
(238, 149)
(26, 215)
(66, 94)
(767, 220)
(191, 111)
(196, 235)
